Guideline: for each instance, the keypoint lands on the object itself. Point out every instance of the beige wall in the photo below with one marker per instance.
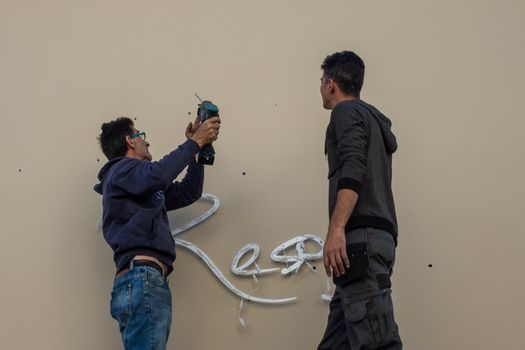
(449, 73)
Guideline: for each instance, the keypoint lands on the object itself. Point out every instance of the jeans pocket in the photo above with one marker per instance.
(155, 278)
(370, 323)
(120, 305)
(158, 287)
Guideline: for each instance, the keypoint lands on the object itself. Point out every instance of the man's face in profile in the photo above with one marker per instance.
(141, 145)
(325, 89)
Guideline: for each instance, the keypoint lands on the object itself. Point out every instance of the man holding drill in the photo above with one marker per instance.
(136, 195)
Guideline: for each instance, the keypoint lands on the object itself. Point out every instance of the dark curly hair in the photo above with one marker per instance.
(113, 137)
(347, 69)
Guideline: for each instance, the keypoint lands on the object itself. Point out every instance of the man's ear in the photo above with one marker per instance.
(332, 85)
(129, 142)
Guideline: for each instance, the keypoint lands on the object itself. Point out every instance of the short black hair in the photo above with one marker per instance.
(113, 137)
(347, 69)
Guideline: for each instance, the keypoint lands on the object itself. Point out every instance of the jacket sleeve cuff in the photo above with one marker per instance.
(350, 184)
(191, 146)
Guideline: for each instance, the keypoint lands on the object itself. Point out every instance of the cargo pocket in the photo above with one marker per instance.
(370, 323)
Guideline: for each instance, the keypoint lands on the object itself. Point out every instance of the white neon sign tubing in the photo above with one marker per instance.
(279, 254)
(216, 271)
(206, 215)
(241, 270)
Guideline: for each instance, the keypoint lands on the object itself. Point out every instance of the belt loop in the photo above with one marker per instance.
(365, 235)
(131, 264)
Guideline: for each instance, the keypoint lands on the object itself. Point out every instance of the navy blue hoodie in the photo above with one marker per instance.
(135, 197)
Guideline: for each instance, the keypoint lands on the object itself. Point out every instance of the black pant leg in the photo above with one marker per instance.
(335, 337)
(363, 308)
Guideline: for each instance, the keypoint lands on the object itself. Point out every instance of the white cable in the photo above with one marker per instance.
(241, 270)
(279, 253)
(185, 227)
(239, 315)
(193, 248)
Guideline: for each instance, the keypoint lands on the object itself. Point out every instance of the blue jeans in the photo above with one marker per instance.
(141, 303)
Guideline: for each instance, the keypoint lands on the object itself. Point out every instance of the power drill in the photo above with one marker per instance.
(206, 110)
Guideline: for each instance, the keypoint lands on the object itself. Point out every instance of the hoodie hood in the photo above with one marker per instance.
(102, 174)
(385, 125)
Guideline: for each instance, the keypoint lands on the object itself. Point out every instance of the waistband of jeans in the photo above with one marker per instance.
(137, 263)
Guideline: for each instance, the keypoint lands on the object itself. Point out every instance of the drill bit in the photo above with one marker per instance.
(198, 97)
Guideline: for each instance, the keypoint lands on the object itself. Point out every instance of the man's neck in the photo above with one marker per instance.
(341, 97)
(131, 154)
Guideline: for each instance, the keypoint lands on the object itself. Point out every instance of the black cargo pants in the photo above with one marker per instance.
(361, 312)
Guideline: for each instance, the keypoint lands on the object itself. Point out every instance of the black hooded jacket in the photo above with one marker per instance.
(359, 145)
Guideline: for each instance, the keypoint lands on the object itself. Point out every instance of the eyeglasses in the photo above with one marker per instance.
(142, 135)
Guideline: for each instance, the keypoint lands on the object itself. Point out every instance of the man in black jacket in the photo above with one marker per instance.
(360, 244)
